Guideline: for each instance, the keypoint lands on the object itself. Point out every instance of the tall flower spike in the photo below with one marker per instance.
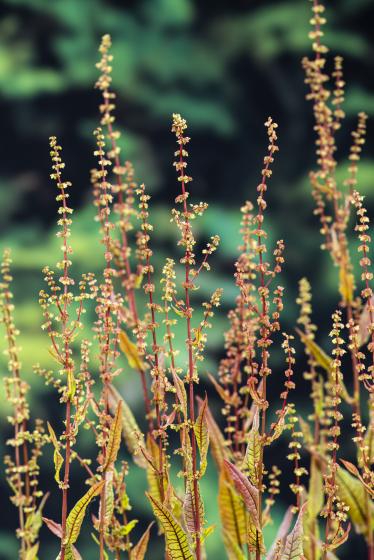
(335, 511)
(182, 218)
(22, 467)
(362, 228)
(62, 311)
(62, 302)
(157, 371)
(123, 190)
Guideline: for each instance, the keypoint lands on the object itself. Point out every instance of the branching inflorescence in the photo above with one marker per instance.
(136, 312)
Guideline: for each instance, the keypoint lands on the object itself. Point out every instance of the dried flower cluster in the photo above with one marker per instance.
(136, 315)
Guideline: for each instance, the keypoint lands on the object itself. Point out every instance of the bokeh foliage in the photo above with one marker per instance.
(225, 66)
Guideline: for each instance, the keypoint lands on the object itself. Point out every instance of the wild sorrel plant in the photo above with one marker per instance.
(135, 317)
(334, 204)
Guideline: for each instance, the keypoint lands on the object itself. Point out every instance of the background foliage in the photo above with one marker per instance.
(225, 65)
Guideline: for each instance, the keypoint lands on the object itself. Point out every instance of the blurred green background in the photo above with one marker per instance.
(226, 66)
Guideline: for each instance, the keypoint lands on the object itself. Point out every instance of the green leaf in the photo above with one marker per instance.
(176, 540)
(189, 507)
(253, 452)
(126, 529)
(139, 550)
(153, 477)
(202, 436)
(114, 440)
(325, 362)
(181, 392)
(133, 436)
(247, 491)
(76, 516)
(131, 352)
(281, 536)
(109, 500)
(293, 548)
(234, 551)
(218, 445)
(352, 493)
(57, 457)
(232, 511)
(315, 491)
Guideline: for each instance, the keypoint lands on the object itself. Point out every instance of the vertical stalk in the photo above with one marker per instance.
(264, 331)
(17, 399)
(67, 360)
(188, 312)
(149, 289)
(106, 109)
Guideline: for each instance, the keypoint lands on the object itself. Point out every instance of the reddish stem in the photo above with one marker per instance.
(190, 359)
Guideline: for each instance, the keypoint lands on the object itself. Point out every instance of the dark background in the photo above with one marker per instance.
(226, 66)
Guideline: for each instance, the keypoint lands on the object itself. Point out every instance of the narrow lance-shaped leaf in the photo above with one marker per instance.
(69, 553)
(234, 551)
(218, 445)
(189, 508)
(232, 511)
(253, 409)
(306, 431)
(247, 491)
(356, 474)
(202, 435)
(76, 516)
(315, 499)
(225, 395)
(153, 478)
(315, 491)
(34, 520)
(176, 539)
(325, 362)
(71, 384)
(181, 393)
(352, 493)
(346, 284)
(293, 548)
(109, 500)
(57, 457)
(255, 539)
(139, 550)
(56, 529)
(280, 538)
(133, 436)
(131, 352)
(364, 323)
(253, 451)
(114, 439)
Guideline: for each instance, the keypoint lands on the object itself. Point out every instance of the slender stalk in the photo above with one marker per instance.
(149, 287)
(264, 319)
(64, 222)
(188, 259)
(330, 479)
(18, 400)
(107, 305)
(107, 120)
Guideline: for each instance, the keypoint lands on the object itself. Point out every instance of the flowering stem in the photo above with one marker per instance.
(64, 222)
(188, 259)
(264, 319)
(107, 120)
(17, 398)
